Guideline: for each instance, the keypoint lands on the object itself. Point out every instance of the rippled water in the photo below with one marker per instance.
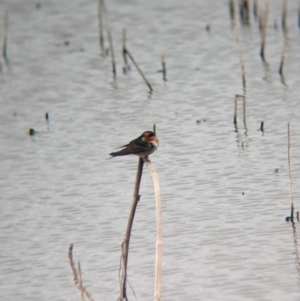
(225, 194)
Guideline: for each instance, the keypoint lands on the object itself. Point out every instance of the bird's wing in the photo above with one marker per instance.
(123, 146)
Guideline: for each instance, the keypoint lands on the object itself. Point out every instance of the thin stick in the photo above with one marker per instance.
(138, 69)
(290, 174)
(126, 66)
(111, 50)
(70, 255)
(264, 19)
(100, 23)
(80, 282)
(5, 33)
(236, 34)
(164, 68)
(158, 258)
(125, 244)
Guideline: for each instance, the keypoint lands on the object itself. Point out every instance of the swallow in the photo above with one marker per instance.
(142, 146)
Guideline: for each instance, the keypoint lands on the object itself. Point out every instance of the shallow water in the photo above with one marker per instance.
(224, 203)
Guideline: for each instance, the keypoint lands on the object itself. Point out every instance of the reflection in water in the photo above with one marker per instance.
(296, 246)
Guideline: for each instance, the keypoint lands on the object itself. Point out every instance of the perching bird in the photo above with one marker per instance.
(143, 146)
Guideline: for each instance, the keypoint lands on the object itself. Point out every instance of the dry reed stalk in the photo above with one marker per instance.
(138, 69)
(158, 258)
(5, 33)
(126, 66)
(164, 70)
(100, 23)
(80, 282)
(111, 50)
(290, 175)
(236, 34)
(125, 244)
(264, 20)
(77, 282)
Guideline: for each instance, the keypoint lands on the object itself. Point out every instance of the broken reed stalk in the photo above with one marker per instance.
(138, 69)
(290, 174)
(100, 23)
(126, 66)
(236, 34)
(158, 257)
(111, 50)
(264, 20)
(78, 283)
(164, 70)
(125, 244)
(5, 33)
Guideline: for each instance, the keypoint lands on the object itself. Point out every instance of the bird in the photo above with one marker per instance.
(142, 146)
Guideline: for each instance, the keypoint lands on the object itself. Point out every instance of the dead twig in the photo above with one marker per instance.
(77, 280)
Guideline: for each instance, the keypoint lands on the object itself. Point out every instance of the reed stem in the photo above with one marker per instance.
(125, 244)
(138, 69)
(158, 258)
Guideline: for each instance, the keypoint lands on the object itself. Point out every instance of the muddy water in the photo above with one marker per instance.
(225, 193)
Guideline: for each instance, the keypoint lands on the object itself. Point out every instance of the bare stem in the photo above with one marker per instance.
(80, 282)
(158, 258)
(77, 279)
(138, 69)
(125, 244)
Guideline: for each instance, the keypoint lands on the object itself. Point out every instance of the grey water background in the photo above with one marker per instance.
(225, 194)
